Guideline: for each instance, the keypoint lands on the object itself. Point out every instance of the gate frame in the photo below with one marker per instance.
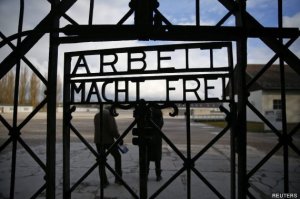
(142, 112)
(246, 27)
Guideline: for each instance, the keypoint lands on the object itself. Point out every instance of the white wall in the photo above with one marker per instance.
(255, 99)
(292, 104)
(263, 102)
(21, 109)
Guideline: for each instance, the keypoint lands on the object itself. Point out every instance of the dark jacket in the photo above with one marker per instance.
(110, 130)
(155, 143)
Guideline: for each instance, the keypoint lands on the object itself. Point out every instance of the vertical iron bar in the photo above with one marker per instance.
(66, 130)
(143, 168)
(211, 56)
(91, 13)
(101, 153)
(231, 121)
(241, 126)
(197, 12)
(143, 18)
(15, 131)
(232, 151)
(143, 150)
(188, 143)
(51, 108)
(186, 58)
(13, 168)
(283, 107)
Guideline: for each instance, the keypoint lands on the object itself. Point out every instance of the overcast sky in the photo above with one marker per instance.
(179, 12)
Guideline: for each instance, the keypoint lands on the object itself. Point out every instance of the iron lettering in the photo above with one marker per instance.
(116, 90)
(156, 73)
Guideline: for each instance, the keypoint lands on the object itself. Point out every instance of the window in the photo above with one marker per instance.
(276, 104)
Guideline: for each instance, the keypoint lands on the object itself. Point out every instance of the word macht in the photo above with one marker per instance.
(192, 89)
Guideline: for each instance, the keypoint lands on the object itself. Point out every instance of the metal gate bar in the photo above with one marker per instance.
(270, 41)
(15, 133)
(17, 138)
(188, 149)
(37, 33)
(267, 122)
(269, 64)
(24, 59)
(51, 106)
(68, 190)
(188, 161)
(283, 106)
(241, 126)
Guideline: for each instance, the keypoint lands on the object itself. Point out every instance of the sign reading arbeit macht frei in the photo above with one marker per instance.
(196, 72)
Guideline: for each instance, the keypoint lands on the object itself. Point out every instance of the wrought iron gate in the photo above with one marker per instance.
(77, 91)
(150, 24)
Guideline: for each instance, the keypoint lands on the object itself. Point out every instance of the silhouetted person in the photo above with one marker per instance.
(103, 142)
(155, 143)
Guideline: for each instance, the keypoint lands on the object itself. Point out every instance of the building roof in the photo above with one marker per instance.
(270, 80)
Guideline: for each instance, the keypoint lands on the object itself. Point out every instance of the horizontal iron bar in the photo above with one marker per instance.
(87, 33)
(140, 78)
(210, 100)
(151, 72)
(168, 47)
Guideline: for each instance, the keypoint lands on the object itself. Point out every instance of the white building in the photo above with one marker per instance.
(265, 95)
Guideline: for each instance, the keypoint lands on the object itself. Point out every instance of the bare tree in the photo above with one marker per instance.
(2, 89)
(23, 86)
(7, 88)
(59, 90)
(34, 90)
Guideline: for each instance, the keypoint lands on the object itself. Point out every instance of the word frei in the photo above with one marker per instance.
(156, 73)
